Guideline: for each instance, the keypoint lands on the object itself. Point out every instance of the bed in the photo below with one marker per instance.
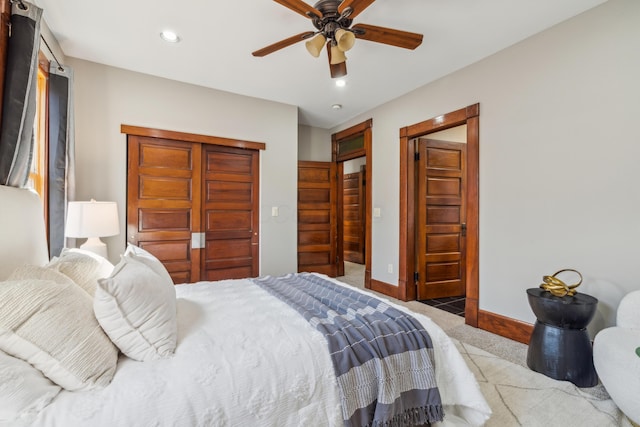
(233, 354)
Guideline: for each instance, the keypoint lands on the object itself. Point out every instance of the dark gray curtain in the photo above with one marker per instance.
(61, 153)
(19, 100)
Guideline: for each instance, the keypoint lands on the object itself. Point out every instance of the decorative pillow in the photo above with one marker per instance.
(149, 259)
(137, 309)
(52, 326)
(40, 273)
(24, 391)
(83, 267)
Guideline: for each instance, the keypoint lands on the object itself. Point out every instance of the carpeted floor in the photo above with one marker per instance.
(517, 395)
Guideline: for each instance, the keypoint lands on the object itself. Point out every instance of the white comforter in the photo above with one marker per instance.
(244, 358)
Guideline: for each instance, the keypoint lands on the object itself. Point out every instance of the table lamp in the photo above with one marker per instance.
(92, 220)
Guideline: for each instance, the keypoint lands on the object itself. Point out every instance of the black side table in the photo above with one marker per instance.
(560, 347)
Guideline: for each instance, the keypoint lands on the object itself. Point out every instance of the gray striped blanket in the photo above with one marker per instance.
(382, 357)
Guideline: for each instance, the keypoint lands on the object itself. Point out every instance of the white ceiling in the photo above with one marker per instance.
(219, 36)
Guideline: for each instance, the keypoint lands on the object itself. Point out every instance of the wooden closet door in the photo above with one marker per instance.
(317, 224)
(163, 202)
(230, 203)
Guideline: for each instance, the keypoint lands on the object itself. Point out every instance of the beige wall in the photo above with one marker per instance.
(559, 149)
(106, 97)
(558, 154)
(314, 144)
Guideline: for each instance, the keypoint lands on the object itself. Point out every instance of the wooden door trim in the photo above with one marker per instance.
(406, 284)
(191, 137)
(364, 128)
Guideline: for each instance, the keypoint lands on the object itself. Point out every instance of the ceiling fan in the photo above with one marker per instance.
(333, 19)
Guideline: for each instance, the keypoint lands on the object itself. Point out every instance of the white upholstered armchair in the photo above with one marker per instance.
(616, 356)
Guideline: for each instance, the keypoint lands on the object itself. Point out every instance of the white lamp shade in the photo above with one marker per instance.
(92, 219)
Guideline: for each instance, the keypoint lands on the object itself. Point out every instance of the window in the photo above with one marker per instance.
(38, 172)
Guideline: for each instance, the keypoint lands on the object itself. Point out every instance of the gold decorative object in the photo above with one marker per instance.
(557, 287)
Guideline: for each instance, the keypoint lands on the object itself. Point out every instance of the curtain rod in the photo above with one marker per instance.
(60, 68)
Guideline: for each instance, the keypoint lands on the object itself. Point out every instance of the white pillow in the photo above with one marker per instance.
(149, 259)
(24, 391)
(137, 309)
(83, 267)
(51, 325)
(41, 273)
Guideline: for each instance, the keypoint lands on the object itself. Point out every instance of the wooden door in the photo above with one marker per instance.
(441, 219)
(163, 202)
(353, 217)
(230, 202)
(317, 225)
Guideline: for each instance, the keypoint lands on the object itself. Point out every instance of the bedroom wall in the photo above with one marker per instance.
(559, 150)
(107, 97)
(314, 144)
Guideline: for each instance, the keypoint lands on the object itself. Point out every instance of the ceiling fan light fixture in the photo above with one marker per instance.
(315, 45)
(337, 56)
(345, 39)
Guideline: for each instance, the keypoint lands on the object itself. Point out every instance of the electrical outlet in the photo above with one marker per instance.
(390, 268)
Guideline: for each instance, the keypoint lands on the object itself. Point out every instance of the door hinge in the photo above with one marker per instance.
(416, 277)
(198, 240)
(463, 229)
(416, 156)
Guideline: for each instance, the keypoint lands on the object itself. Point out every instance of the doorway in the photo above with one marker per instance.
(351, 152)
(321, 224)
(409, 218)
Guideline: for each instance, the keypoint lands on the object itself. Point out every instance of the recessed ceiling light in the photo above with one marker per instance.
(341, 83)
(336, 106)
(169, 36)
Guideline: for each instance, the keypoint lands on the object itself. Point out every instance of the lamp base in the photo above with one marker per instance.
(95, 245)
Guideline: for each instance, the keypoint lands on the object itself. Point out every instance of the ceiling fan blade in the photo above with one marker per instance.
(390, 36)
(337, 70)
(300, 7)
(282, 44)
(357, 5)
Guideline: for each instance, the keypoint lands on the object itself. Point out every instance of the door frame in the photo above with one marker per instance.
(470, 116)
(364, 129)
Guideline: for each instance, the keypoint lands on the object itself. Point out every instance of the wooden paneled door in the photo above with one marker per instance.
(317, 229)
(441, 219)
(353, 202)
(163, 202)
(193, 202)
(230, 214)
